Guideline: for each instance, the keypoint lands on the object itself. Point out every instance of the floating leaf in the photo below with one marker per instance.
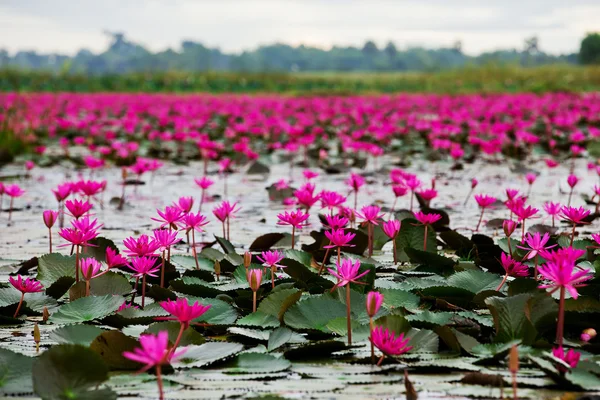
(277, 303)
(15, 372)
(510, 320)
(207, 353)
(53, 266)
(219, 313)
(69, 371)
(474, 281)
(190, 335)
(254, 363)
(269, 240)
(110, 346)
(189, 263)
(225, 245)
(314, 313)
(76, 334)
(86, 309)
(430, 262)
(259, 318)
(110, 283)
(411, 236)
(279, 337)
(396, 298)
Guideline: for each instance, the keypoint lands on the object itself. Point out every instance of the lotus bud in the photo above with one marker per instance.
(45, 315)
(474, 183)
(50, 218)
(374, 301)
(588, 334)
(36, 337)
(255, 278)
(217, 269)
(247, 259)
(509, 227)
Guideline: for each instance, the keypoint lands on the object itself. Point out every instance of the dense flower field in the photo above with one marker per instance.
(299, 246)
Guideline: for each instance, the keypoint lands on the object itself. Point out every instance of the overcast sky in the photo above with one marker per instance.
(66, 26)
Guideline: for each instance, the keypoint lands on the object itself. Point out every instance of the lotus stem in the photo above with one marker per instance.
(535, 267)
(293, 236)
(162, 271)
(570, 195)
(10, 209)
(371, 328)
(324, 259)
(370, 233)
(19, 306)
(502, 283)
(339, 254)
(194, 251)
(87, 287)
(253, 301)
(77, 263)
(143, 290)
(348, 318)
(573, 234)
(480, 219)
(425, 239)
(272, 277)
(50, 238)
(159, 381)
(468, 197)
(380, 360)
(394, 251)
(560, 325)
(182, 328)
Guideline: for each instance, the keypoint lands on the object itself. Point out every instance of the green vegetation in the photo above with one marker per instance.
(590, 49)
(487, 79)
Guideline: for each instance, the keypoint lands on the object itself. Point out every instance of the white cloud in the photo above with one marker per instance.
(236, 25)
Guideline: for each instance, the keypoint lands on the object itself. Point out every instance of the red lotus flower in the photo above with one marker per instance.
(337, 238)
(77, 208)
(27, 285)
(170, 217)
(140, 247)
(297, 219)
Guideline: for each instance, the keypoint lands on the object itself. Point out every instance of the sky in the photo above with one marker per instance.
(66, 26)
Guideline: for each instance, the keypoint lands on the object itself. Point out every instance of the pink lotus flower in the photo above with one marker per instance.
(388, 343)
(427, 219)
(484, 201)
(13, 191)
(512, 267)
(86, 224)
(331, 200)
(29, 165)
(50, 218)
(270, 260)
(511, 193)
(536, 244)
(185, 204)
(170, 217)
(574, 215)
(182, 312)
(297, 219)
(399, 190)
(204, 182)
(370, 214)
(140, 247)
(564, 276)
(308, 174)
(195, 222)
(571, 357)
(281, 184)
(27, 285)
(552, 209)
(165, 239)
(90, 188)
(306, 198)
(337, 238)
(77, 208)
(572, 180)
(77, 237)
(347, 272)
(154, 353)
(567, 255)
(224, 212)
(391, 228)
(62, 191)
(114, 259)
(336, 221)
(427, 195)
(509, 227)
(24, 286)
(550, 163)
(143, 266)
(530, 178)
(355, 182)
(90, 268)
(374, 302)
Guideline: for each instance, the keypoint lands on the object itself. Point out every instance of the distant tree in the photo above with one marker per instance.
(589, 53)
(370, 48)
(390, 50)
(457, 46)
(531, 45)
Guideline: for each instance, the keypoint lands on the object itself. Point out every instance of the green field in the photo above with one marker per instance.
(489, 79)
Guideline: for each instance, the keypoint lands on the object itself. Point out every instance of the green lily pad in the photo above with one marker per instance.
(86, 309)
(75, 334)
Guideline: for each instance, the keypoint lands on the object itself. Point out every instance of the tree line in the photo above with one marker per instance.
(125, 56)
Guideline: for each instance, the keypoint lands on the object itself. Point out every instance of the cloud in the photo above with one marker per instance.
(236, 25)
